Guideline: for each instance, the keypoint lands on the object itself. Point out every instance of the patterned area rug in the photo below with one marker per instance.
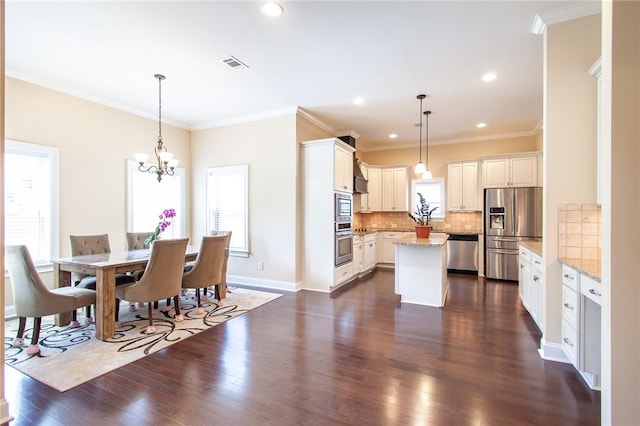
(69, 357)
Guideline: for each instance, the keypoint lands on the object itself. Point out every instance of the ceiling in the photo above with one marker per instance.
(318, 56)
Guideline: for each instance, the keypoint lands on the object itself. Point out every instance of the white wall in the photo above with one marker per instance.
(621, 213)
(569, 145)
(269, 147)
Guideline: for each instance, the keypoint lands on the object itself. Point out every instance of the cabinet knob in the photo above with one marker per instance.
(535, 278)
(594, 292)
(568, 306)
(567, 341)
(569, 277)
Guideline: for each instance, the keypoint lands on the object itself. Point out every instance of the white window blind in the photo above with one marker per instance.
(227, 205)
(31, 199)
(147, 199)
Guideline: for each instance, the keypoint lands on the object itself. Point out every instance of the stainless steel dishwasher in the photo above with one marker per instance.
(462, 253)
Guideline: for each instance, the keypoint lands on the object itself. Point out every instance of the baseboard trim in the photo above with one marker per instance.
(262, 283)
(552, 352)
(5, 417)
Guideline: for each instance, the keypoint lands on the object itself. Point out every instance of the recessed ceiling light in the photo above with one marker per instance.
(490, 76)
(358, 101)
(272, 9)
(481, 125)
(393, 136)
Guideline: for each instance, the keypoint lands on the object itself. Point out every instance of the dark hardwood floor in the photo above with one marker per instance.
(356, 356)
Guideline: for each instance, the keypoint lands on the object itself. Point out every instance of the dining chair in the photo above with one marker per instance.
(32, 298)
(162, 278)
(208, 268)
(136, 241)
(222, 289)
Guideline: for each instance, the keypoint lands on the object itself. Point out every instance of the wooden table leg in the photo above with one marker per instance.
(61, 279)
(105, 303)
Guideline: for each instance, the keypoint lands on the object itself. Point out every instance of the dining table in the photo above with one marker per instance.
(104, 266)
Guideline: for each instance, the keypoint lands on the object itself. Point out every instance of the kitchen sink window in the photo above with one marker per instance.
(228, 205)
(433, 191)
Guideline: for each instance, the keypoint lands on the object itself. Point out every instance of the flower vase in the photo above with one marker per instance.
(423, 231)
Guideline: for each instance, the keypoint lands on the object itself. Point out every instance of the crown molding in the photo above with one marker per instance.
(454, 141)
(563, 14)
(246, 118)
(305, 114)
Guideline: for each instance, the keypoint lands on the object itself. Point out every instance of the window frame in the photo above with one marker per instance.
(442, 208)
(53, 155)
(179, 173)
(242, 169)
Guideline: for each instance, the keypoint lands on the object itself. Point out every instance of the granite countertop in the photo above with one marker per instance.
(426, 242)
(534, 246)
(592, 268)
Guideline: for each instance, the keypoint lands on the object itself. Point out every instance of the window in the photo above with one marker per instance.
(31, 199)
(433, 191)
(227, 205)
(147, 198)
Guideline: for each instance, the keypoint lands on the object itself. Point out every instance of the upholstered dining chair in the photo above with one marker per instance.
(33, 299)
(222, 289)
(136, 241)
(162, 278)
(93, 244)
(208, 267)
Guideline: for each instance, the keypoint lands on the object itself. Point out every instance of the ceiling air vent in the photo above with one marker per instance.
(234, 63)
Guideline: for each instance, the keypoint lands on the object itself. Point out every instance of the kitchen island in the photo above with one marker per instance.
(421, 269)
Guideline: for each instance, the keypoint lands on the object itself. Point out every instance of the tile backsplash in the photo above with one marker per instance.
(579, 231)
(454, 221)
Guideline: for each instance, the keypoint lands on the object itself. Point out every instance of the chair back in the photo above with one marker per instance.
(162, 277)
(226, 253)
(31, 296)
(135, 240)
(216, 233)
(88, 244)
(209, 266)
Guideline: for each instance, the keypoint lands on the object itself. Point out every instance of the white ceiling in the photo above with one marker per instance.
(319, 56)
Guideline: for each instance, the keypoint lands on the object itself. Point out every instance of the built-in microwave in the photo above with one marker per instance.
(343, 208)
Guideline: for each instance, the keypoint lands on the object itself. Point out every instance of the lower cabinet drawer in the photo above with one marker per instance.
(570, 342)
(342, 273)
(591, 288)
(570, 303)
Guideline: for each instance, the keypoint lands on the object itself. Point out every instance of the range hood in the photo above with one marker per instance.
(359, 181)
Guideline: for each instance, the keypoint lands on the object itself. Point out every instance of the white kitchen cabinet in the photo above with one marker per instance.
(524, 277)
(462, 186)
(510, 171)
(318, 179)
(369, 251)
(388, 249)
(357, 255)
(531, 284)
(374, 186)
(581, 323)
(343, 168)
(394, 189)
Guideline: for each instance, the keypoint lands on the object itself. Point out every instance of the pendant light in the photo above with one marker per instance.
(420, 167)
(165, 163)
(427, 173)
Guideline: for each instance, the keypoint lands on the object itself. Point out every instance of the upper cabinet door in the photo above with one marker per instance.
(511, 172)
(374, 186)
(343, 169)
(462, 186)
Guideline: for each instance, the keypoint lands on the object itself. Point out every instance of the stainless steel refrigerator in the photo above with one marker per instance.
(510, 215)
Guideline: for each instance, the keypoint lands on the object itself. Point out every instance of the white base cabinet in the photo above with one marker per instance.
(531, 285)
(581, 323)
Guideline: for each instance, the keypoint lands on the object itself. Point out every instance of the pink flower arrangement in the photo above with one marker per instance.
(162, 225)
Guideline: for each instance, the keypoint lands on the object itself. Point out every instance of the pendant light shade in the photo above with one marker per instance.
(426, 174)
(420, 167)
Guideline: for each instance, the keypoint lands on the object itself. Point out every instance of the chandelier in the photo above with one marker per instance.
(165, 163)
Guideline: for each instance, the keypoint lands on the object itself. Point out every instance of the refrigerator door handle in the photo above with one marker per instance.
(507, 240)
(505, 252)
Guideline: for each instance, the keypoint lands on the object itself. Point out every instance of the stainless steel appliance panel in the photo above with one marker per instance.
(499, 211)
(462, 253)
(502, 264)
(343, 248)
(527, 212)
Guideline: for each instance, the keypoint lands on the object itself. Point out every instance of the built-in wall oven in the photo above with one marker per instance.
(343, 229)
